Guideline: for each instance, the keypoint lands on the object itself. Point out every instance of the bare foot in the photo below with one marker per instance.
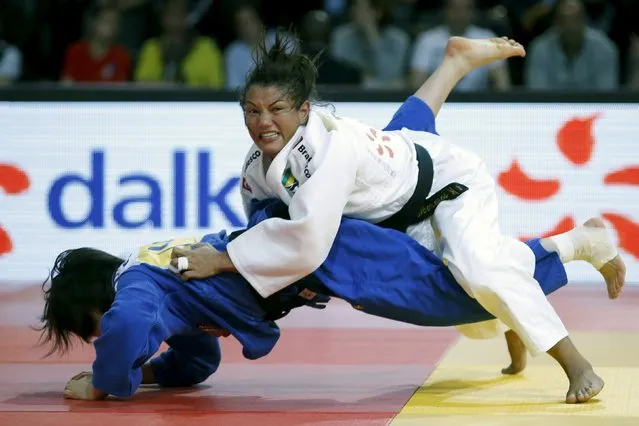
(584, 383)
(474, 53)
(583, 386)
(604, 257)
(518, 354)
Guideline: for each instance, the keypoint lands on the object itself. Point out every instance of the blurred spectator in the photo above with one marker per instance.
(370, 43)
(572, 56)
(10, 61)
(528, 20)
(534, 17)
(96, 58)
(529, 16)
(498, 20)
(315, 34)
(335, 8)
(136, 22)
(238, 56)
(405, 14)
(430, 48)
(180, 55)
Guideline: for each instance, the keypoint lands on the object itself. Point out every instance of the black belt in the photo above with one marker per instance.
(419, 207)
(301, 293)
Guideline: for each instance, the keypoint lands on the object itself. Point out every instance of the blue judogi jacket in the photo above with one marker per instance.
(380, 271)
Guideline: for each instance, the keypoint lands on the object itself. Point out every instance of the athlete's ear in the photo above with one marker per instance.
(304, 111)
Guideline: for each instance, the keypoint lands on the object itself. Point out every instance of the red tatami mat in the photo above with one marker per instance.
(332, 367)
(336, 366)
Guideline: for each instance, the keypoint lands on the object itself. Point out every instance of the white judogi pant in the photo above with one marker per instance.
(495, 269)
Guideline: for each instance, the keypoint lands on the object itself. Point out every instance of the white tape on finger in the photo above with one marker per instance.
(183, 264)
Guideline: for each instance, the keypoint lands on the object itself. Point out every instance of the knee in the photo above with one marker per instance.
(474, 262)
(483, 283)
(475, 275)
(483, 270)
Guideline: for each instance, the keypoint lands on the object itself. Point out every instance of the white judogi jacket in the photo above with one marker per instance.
(331, 167)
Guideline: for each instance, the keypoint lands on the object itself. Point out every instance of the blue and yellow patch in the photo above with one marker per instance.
(289, 182)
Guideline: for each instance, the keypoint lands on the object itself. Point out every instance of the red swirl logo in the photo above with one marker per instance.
(576, 142)
(13, 181)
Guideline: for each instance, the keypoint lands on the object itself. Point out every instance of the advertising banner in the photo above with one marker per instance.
(117, 175)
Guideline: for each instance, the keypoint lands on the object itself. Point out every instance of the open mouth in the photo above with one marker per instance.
(269, 136)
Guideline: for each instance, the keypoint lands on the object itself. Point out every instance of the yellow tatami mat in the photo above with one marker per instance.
(467, 387)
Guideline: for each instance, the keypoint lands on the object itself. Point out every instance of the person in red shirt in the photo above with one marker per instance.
(96, 59)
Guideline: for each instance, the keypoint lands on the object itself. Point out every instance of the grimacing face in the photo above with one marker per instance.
(271, 117)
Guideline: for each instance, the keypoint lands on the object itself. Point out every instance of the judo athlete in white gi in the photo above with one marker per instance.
(324, 166)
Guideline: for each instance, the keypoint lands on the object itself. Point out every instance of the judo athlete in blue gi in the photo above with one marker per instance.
(131, 306)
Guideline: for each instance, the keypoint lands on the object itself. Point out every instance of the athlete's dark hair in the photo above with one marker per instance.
(285, 67)
(81, 283)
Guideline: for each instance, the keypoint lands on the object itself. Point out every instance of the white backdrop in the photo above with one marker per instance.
(115, 175)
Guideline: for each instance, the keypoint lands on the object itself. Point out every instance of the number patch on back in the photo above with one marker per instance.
(382, 148)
